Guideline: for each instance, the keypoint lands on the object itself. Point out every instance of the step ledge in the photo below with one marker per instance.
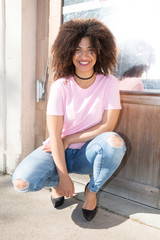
(124, 207)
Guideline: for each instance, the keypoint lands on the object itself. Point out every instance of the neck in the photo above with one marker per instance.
(84, 78)
(85, 83)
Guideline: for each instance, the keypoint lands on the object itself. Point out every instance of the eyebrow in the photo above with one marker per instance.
(87, 47)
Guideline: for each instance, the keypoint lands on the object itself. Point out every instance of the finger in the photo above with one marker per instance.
(46, 146)
(46, 150)
(70, 195)
(73, 189)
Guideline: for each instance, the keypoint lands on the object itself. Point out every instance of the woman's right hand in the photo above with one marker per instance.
(65, 186)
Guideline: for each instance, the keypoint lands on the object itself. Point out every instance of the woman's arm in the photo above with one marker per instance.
(107, 124)
(65, 186)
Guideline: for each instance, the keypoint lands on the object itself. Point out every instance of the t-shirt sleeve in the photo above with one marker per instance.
(55, 101)
(112, 98)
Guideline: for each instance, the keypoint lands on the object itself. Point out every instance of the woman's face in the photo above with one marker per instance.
(84, 58)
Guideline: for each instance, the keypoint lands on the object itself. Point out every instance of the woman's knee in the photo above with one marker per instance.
(114, 140)
(111, 138)
(20, 184)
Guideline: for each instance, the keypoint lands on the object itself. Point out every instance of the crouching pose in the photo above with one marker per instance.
(82, 111)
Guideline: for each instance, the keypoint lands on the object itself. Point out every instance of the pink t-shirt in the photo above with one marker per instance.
(82, 108)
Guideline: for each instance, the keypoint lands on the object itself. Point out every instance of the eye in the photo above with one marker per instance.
(77, 50)
(92, 51)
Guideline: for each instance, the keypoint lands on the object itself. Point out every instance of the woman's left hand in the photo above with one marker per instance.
(46, 147)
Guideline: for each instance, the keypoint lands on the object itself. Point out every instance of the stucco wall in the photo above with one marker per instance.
(17, 81)
(2, 87)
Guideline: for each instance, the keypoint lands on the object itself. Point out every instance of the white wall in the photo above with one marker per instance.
(2, 87)
(17, 124)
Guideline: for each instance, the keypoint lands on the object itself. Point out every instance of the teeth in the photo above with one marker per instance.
(83, 63)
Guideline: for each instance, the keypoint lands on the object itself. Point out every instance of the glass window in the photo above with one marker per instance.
(135, 25)
(71, 2)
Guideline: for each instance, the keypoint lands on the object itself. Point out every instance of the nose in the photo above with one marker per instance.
(84, 54)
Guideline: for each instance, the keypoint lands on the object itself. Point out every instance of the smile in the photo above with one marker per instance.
(84, 63)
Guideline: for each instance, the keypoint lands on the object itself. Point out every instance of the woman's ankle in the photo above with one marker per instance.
(90, 200)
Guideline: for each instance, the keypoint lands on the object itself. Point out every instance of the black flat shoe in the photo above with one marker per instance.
(88, 214)
(57, 202)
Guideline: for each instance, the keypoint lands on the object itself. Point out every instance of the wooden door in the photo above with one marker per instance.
(138, 177)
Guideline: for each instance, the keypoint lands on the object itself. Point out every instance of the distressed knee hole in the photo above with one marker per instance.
(115, 141)
(21, 184)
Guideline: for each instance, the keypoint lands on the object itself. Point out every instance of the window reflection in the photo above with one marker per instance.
(134, 61)
(130, 21)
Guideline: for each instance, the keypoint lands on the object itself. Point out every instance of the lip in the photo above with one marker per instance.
(84, 63)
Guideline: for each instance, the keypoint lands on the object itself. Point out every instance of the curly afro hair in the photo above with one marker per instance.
(69, 36)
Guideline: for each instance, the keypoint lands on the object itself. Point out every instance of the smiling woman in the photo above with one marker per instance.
(82, 111)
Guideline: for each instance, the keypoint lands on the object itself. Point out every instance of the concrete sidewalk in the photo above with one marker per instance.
(32, 216)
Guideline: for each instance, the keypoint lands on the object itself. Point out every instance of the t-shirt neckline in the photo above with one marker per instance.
(86, 89)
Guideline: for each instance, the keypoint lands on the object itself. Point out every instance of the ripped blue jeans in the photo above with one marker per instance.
(99, 158)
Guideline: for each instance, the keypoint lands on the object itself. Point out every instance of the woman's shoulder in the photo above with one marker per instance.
(108, 77)
(108, 80)
(60, 83)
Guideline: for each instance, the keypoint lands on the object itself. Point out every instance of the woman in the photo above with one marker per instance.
(82, 111)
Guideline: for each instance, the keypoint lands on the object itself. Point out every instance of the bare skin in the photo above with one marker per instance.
(90, 200)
